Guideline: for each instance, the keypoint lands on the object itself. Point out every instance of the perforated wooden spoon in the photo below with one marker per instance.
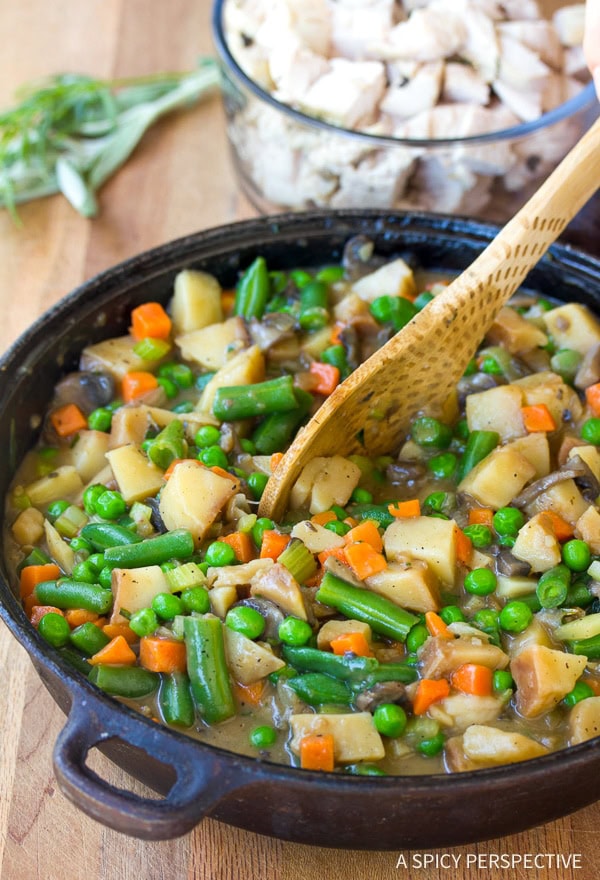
(416, 370)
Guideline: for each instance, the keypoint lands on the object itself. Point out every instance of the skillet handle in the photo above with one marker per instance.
(199, 785)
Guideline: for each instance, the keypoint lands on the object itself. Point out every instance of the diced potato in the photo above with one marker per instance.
(115, 356)
(583, 628)
(543, 676)
(213, 346)
(392, 279)
(191, 421)
(514, 587)
(129, 425)
(59, 550)
(249, 661)
(438, 656)
(135, 588)
(535, 448)
(315, 343)
(584, 720)
(573, 326)
(136, 475)
(412, 586)
(514, 332)
(536, 544)
(549, 388)
(564, 498)
(89, 453)
(587, 528)
(349, 308)
(196, 301)
(28, 527)
(354, 735)
(459, 711)
(534, 634)
(424, 537)
(316, 538)
(277, 584)
(245, 368)
(497, 409)
(221, 600)
(193, 497)
(590, 455)
(455, 758)
(334, 628)
(496, 480)
(490, 746)
(237, 575)
(63, 482)
(324, 482)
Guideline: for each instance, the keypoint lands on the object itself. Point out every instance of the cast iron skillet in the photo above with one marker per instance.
(197, 780)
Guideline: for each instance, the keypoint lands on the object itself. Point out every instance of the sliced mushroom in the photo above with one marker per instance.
(86, 389)
(508, 565)
(382, 692)
(357, 258)
(405, 472)
(589, 368)
(477, 382)
(574, 469)
(274, 327)
(156, 518)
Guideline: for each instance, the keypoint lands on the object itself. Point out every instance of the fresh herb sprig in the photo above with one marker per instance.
(71, 132)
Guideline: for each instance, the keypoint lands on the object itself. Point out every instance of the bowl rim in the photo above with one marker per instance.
(585, 99)
(159, 260)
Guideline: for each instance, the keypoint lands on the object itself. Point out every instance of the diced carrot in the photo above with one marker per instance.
(227, 301)
(563, 531)
(116, 653)
(429, 691)
(39, 611)
(32, 575)
(350, 521)
(162, 655)
(594, 683)
(481, 516)
(365, 531)
(317, 752)
(538, 417)
(137, 383)
(327, 375)
(251, 694)
(322, 519)
(338, 553)
(409, 508)
(436, 626)
(78, 616)
(473, 678)
(29, 603)
(464, 546)
(68, 419)
(150, 320)
(353, 642)
(274, 460)
(336, 333)
(315, 580)
(242, 545)
(120, 629)
(221, 472)
(364, 560)
(273, 544)
(592, 398)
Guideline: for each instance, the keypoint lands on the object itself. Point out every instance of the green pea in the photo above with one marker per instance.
(110, 504)
(502, 680)
(86, 572)
(246, 620)
(363, 769)
(295, 632)
(264, 736)
(257, 482)
(423, 299)
(432, 746)
(219, 554)
(55, 509)
(180, 374)
(417, 636)
(80, 545)
(300, 278)
(480, 535)
(580, 692)
(361, 496)
(508, 521)
(490, 365)
(339, 511)
(337, 527)
(431, 433)
(167, 606)
(248, 446)
(262, 524)
(54, 629)
(100, 419)
(590, 431)
(195, 599)
(390, 719)
(169, 387)
(213, 456)
(144, 622)
(451, 614)
(330, 274)
(577, 555)
(480, 582)
(207, 435)
(515, 616)
(443, 466)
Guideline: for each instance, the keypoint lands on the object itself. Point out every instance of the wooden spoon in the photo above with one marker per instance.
(415, 371)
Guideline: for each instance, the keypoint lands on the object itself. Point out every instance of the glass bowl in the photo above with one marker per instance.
(287, 160)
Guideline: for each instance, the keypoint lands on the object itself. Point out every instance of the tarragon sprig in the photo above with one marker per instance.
(71, 132)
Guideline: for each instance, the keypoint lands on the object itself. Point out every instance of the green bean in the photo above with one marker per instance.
(66, 593)
(276, 430)
(590, 648)
(384, 616)
(75, 659)
(168, 445)
(207, 668)
(318, 689)
(253, 290)
(89, 638)
(553, 586)
(124, 681)
(344, 667)
(390, 672)
(236, 402)
(104, 535)
(479, 444)
(178, 544)
(378, 512)
(175, 699)
(313, 312)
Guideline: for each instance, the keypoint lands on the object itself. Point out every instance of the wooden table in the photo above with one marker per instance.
(179, 180)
